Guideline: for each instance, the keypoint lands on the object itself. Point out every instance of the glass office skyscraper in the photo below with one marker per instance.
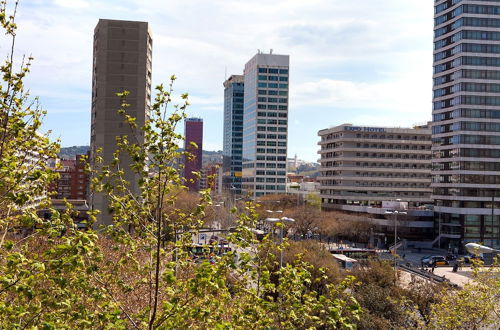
(265, 125)
(466, 121)
(233, 133)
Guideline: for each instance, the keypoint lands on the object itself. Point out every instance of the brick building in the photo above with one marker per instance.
(73, 182)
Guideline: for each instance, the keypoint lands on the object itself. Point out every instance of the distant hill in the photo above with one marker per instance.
(71, 152)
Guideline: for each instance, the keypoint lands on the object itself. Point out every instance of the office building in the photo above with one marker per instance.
(363, 169)
(193, 131)
(466, 122)
(121, 61)
(265, 125)
(233, 133)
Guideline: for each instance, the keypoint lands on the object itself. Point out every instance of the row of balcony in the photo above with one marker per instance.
(390, 169)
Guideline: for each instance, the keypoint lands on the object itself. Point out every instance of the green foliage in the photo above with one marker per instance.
(476, 306)
(389, 302)
(163, 287)
(24, 152)
(138, 273)
(42, 263)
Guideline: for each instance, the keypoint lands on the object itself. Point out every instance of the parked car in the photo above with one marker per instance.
(469, 259)
(451, 257)
(435, 261)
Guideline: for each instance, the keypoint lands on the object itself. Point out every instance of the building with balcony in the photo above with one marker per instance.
(362, 167)
(73, 182)
(466, 121)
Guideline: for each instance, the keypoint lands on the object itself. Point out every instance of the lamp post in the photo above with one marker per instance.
(271, 212)
(219, 205)
(281, 221)
(395, 231)
(492, 217)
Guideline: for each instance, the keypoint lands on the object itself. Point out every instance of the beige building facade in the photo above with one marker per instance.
(362, 167)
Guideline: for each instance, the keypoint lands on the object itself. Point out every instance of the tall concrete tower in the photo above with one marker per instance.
(122, 61)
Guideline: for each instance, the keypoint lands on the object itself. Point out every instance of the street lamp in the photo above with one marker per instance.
(218, 222)
(395, 230)
(271, 211)
(282, 221)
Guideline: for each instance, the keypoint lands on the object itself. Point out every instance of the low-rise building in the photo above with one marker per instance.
(302, 186)
(211, 177)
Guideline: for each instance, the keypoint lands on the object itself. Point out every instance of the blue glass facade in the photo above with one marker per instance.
(233, 133)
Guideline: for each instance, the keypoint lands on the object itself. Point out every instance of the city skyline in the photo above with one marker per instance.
(351, 63)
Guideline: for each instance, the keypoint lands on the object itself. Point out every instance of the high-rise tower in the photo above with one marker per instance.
(193, 131)
(121, 61)
(466, 121)
(233, 133)
(265, 124)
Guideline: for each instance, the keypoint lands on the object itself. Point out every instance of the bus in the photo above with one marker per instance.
(200, 252)
(356, 253)
(344, 261)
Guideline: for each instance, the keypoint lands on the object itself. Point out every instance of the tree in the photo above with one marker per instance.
(307, 220)
(389, 304)
(325, 267)
(476, 306)
(137, 273)
(41, 282)
(179, 291)
(24, 151)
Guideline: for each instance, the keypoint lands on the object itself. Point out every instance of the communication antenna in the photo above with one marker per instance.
(225, 73)
(271, 51)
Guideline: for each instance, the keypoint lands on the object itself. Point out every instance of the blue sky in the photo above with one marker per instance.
(364, 62)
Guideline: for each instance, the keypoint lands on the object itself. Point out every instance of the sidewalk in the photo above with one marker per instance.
(459, 278)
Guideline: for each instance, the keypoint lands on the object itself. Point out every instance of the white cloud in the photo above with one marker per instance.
(361, 55)
(392, 95)
(71, 3)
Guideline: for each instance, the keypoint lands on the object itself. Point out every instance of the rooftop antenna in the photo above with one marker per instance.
(271, 51)
(225, 73)
(258, 51)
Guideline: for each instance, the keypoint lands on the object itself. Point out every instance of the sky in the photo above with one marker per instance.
(363, 62)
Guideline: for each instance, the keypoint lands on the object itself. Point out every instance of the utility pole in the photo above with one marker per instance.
(439, 230)
(492, 217)
(395, 237)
